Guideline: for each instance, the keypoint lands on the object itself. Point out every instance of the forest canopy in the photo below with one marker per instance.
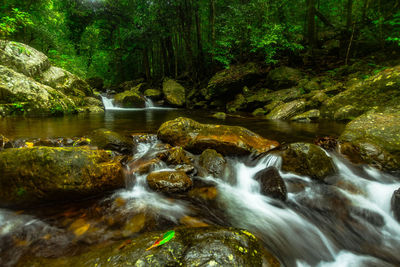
(125, 39)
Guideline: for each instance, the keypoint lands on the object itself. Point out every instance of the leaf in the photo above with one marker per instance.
(166, 238)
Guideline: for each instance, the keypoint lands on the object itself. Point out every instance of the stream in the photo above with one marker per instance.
(345, 222)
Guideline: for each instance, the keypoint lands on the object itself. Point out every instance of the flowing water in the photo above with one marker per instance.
(345, 222)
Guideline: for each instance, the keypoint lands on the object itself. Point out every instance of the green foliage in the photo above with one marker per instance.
(13, 22)
(395, 24)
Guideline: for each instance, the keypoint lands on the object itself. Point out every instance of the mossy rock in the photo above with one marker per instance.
(230, 81)
(227, 140)
(307, 159)
(311, 115)
(174, 93)
(265, 96)
(287, 110)
(377, 137)
(219, 115)
(238, 103)
(48, 173)
(284, 77)
(153, 94)
(129, 99)
(109, 140)
(213, 163)
(378, 91)
(169, 182)
(202, 246)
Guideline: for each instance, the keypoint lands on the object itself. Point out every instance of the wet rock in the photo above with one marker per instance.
(213, 162)
(227, 140)
(142, 166)
(174, 93)
(317, 100)
(287, 110)
(176, 156)
(192, 222)
(153, 94)
(265, 96)
(130, 99)
(311, 115)
(369, 216)
(377, 92)
(347, 113)
(219, 115)
(271, 183)
(396, 204)
(326, 142)
(307, 159)
(169, 181)
(238, 103)
(4, 142)
(205, 246)
(204, 193)
(377, 139)
(22, 58)
(284, 77)
(48, 173)
(259, 112)
(231, 81)
(109, 140)
(25, 95)
(65, 82)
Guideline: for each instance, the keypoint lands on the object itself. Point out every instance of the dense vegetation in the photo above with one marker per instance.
(126, 39)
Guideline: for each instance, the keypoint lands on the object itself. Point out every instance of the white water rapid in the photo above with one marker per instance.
(149, 105)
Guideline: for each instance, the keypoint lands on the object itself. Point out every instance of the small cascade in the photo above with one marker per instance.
(108, 103)
(149, 103)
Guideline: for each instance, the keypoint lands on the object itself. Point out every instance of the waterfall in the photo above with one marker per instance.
(149, 103)
(108, 103)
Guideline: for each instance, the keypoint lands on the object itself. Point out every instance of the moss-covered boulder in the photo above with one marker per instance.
(307, 159)
(227, 140)
(22, 58)
(4, 142)
(271, 183)
(284, 77)
(130, 99)
(169, 182)
(238, 103)
(109, 140)
(219, 115)
(174, 93)
(49, 173)
(377, 92)
(153, 94)
(287, 110)
(25, 95)
(311, 115)
(230, 81)
(65, 82)
(202, 246)
(377, 139)
(213, 163)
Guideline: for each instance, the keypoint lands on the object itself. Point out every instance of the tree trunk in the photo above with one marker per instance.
(311, 23)
(200, 54)
(146, 64)
(212, 23)
(349, 16)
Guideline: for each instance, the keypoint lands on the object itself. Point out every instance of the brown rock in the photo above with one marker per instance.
(169, 181)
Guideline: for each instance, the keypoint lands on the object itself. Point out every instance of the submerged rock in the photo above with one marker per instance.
(271, 183)
(213, 162)
(174, 93)
(307, 159)
(396, 204)
(109, 140)
(23, 58)
(169, 181)
(219, 115)
(377, 139)
(48, 173)
(203, 246)
(227, 140)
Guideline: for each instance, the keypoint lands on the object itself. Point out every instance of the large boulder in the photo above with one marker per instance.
(271, 183)
(130, 99)
(174, 93)
(227, 140)
(28, 96)
(284, 77)
(153, 94)
(307, 159)
(287, 110)
(377, 92)
(213, 162)
(169, 181)
(109, 140)
(376, 137)
(230, 81)
(22, 58)
(65, 82)
(202, 246)
(48, 173)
